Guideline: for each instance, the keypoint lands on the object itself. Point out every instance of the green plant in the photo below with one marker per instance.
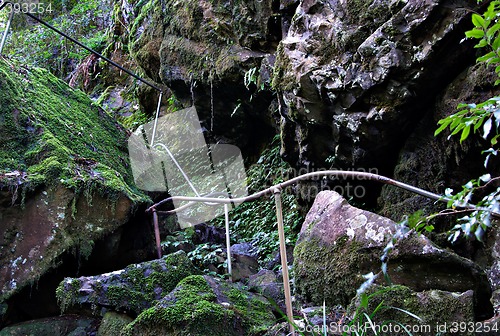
(207, 254)
(256, 221)
(37, 45)
(362, 322)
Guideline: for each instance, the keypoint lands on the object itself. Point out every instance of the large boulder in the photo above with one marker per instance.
(65, 180)
(65, 325)
(132, 289)
(339, 243)
(202, 305)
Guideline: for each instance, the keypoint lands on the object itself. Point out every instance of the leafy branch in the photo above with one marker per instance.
(481, 118)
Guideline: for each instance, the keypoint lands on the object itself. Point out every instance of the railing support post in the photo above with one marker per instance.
(157, 233)
(228, 243)
(284, 261)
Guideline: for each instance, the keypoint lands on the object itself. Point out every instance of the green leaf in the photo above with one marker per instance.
(486, 57)
(465, 133)
(474, 33)
(483, 43)
(444, 123)
(478, 20)
(496, 43)
(364, 301)
(455, 123)
(457, 129)
(492, 30)
(478, 123)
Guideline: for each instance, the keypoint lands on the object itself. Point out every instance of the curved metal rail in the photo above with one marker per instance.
(327, 173)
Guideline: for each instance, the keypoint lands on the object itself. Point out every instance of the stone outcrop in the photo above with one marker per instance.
(434, 309)
(132, 289)
(202, 51)
(339, 243)
(435, 163)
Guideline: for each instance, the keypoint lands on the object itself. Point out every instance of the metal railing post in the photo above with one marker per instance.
(228, 243)
(157, 234)
(284, 261)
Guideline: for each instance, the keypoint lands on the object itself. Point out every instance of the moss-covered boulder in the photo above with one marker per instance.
(65, 179)
(202, 305)
(423, 313)
(339, 243)
(132, 289)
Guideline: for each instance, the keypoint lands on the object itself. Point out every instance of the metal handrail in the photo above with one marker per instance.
(312, 175)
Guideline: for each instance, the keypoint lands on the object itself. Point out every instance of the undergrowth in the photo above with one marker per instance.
(256, 221)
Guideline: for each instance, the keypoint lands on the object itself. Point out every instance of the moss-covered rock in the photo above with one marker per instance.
(65, 179)
(399, 305)
(339, 243)
(201, 305)
(133, 289)
(52, 134)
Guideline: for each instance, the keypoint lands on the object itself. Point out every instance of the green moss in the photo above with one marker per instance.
(193, 308)
(255, 312)
(112, 324)
(57, 135)
(330, 272)
(67, 293)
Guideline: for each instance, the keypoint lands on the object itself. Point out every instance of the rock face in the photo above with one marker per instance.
(339, 243)
(202, 50)
(64, 176)
(355, 75)
(132, 289)
(201, 305)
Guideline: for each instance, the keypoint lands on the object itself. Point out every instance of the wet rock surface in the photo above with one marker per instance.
(355, 75)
